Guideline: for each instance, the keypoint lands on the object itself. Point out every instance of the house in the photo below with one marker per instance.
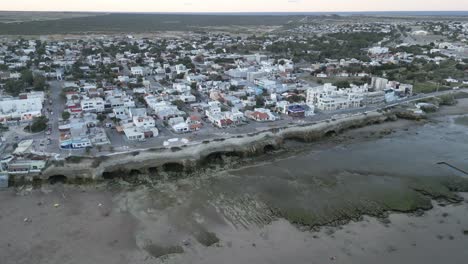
(322, 75)
(194, 123)
(137, 71)
(451, 80)
(179, 125)
(98, 136)
(180, 68)
(133, 133)
(25, 166)
(94, 105)
(296, 111)
(260, 115)
(181, 128)
(219, 120)
(378, 50)
(235, 116)
(144, 122)
(188, 98)
(133, 112)
(120, 113)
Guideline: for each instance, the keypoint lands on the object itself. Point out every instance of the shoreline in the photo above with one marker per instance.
(192, 156)
(186, 158)
(224, 211)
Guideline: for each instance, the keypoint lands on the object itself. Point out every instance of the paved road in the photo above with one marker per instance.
(119, 143)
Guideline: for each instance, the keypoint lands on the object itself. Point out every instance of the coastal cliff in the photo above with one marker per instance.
(190, 157)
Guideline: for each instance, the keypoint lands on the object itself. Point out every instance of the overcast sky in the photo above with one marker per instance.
(234, 5)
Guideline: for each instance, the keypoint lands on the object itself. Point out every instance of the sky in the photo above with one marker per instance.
(233, 5)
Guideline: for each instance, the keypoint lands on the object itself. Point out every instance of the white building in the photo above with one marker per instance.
(330, 98)
(378, 50)
(144, 122)
(22, 109)
(379, 84)
(95, 105)
(337, 102)
(133, 133)
(180, 68)
(137, 71)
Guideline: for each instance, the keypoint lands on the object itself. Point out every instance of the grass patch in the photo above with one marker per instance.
(426, 87)
(75, 159)
(160, 251)
(206, 238)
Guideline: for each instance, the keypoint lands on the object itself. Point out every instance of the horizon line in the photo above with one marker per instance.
(239, 12)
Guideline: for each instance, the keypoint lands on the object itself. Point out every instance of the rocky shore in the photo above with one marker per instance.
(188, 158)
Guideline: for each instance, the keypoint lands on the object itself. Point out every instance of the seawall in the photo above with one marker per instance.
(188, 158)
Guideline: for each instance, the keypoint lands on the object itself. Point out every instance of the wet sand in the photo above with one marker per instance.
(256, 213)
(81, 231)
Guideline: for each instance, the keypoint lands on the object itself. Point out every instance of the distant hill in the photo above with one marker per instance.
(138, 23)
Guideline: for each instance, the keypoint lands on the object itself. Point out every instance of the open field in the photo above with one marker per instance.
(115, 23)
(18, 17)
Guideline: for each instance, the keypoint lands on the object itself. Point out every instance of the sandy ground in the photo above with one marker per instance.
(89, 227)
(434, 237)
(84, 228)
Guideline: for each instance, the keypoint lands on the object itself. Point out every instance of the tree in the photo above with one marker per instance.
(39, 83)
(295, 98)
(27, 77)
(233, 88)
(3, 127)
(65, 115)
(39, 124)
(342, 84)
(14, 88)
(101, 117)
(260, 101)
(180, 75)
(179, 103)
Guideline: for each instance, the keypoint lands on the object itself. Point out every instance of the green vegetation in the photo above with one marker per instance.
(101, 117)
(3, 128)
(65, 115)
(159, 251)
(342, 84)
(15, 87)
(39, 124)
(179, 103)
(137, 23)
(333, 46)
(206, 238)
(426, 87)
(447, 99)
(425, 76)
(295, 98)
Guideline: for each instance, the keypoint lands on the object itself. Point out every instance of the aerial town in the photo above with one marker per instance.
(249, 131)
(99, 95)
